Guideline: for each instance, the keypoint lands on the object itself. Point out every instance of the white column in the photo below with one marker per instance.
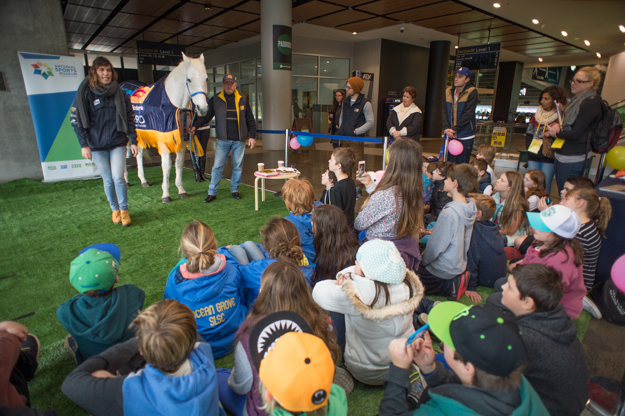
(276, 84)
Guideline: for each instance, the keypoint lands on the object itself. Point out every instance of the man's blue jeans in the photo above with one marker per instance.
(547, 168)
(112, 164)
(567, 170)
(222, 149)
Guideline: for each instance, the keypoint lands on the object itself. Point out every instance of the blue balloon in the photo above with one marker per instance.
(305, 140)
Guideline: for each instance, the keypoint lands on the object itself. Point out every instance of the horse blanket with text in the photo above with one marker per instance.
(157, 120)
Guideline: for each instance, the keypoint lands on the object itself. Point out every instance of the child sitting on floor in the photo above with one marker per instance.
(511, 207)
(488, 153)
(439, 197)
(428, 183)
(306, 388)
(343, 193)
(535, 188)
(485, 186)
(328, 179)
(486, 354)
(444, 262)
(211, 286)
(378, 297)
(99, 316)
(556, 366)
(299, 198)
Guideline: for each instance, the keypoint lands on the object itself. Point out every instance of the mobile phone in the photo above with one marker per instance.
(419, 333)
(548, 201)
(361, 168)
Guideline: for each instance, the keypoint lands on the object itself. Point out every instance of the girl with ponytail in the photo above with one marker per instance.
(211, 286)
(594, 212)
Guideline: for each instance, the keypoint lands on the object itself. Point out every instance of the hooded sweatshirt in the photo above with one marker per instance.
(556, 365)
(97, 323)
(370, 329)
(445, 256)
(486, 260)
(303, 223)
(150, 392)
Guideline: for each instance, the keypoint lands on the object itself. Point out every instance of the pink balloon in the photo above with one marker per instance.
(618, 273)
(379, 175)
(294, 143)
(455, 147)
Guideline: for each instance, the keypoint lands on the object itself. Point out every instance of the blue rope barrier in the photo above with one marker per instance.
(270, 131)
(348, 138)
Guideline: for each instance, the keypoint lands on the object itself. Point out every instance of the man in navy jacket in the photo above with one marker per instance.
(459, 113)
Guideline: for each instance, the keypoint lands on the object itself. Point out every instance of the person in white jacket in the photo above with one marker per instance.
(378, 297)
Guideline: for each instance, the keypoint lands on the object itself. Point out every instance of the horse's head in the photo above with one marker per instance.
(195, 73)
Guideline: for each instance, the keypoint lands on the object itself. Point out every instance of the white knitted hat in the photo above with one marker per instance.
(380, 260)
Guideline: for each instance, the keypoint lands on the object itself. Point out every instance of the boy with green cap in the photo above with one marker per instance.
(483, 348)
(99, 316)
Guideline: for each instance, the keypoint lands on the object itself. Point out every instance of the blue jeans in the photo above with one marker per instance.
(567, 170)
(222, 149)
(232, 402)
(547, 168)
(465, 156)
(246, 252)
(112, 164)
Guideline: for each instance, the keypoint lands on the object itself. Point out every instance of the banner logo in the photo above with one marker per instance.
(43, 69)
(76, 165)
(89, 164)
(51, 167)
(284, 44)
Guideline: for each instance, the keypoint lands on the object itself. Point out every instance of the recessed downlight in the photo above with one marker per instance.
(540, 59)
(598, 55)
(496, 5)
(621, 28)
(587, 42)
(564, 33)
(354, 33)
(535, 21)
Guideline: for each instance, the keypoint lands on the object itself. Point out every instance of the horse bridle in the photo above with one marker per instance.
(195, 93)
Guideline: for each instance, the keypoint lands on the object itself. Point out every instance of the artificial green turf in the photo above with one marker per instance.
(44, 227)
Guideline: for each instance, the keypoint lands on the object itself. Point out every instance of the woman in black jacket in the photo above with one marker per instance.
(580, 119)
(405, 119)
(103, 119)
(334, 115)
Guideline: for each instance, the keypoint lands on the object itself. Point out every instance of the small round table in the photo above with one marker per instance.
(285, 176)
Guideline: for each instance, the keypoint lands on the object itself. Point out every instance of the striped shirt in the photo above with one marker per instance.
(590, 238)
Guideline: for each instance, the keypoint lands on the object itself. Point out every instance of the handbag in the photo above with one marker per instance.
(610, 301)
(547, 150)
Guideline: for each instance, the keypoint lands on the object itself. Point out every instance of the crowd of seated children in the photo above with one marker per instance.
(484, 183)
(328, 179)
(511, 207)
(428, 183)
(299, 198)
(439, 197)
(98, 317)
(556, 363)
(343, 193)
(535, 188)
(487, 153)
(211, 286)
(443, 266)
(283, 288)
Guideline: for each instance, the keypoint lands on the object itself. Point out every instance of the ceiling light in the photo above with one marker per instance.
(564, 33)
(621, 28)
(354, 33)
(456, 46)
(573, 67)
(208, 7)
(540, 59)
(587, 42)
(598, 55)
(535, 21)
(496, 5)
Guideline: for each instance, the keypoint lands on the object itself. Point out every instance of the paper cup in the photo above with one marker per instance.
(261, 167)
(280, 163)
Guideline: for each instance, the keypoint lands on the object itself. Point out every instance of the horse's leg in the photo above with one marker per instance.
(144, 183)
(179, 164)
(166, 164)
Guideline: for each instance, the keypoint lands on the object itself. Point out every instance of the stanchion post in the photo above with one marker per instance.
(286, 147)
(385, 147)
(446, 142)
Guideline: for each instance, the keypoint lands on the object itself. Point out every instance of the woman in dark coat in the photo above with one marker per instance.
(335, 115)
(405, 119)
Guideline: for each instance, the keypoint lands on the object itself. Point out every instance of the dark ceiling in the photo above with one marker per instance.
(116, 25)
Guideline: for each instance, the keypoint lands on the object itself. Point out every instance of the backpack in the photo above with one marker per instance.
(610, 301)
(608, 129)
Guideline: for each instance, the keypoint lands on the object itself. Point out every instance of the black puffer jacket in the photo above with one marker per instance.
(102, 133)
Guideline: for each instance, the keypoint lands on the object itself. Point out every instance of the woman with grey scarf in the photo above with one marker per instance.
(579, 120)
(103, 120)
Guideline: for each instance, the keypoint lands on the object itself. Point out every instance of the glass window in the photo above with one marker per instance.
(486, 78)
(304, 65)
(129, 62)
(248, 69)
(304, 96)
(259, 69)
(327, 89)
(334, 67)
(234, 70)
(219, 72)
(211, 90)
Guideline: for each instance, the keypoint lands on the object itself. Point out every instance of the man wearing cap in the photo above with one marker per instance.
(234, 125)
(459, 113)
(356, 119)
(483, 347)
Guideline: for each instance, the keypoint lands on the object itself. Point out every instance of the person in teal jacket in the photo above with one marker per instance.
(211, 286)
(98, 317)
(484, 349)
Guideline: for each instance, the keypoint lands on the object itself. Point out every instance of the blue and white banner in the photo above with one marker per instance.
(51, 83)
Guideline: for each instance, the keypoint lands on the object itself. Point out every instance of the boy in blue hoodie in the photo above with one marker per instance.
(99, 316)
(179, 376)
(299, 198)
(484, 349)
(486, 258)
(444, 261)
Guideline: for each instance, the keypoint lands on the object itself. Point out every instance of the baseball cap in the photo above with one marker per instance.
(93, 269)
(294, 365)
(112, 249)
(228, 78)
(556, 219)
(380, 260)
(463, 71)
(485, 335)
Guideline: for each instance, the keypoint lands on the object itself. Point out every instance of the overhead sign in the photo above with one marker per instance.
(550, 75)
(499, 137)
(366, 76)
(282, 47)
(154, 53)
(478, 57)
(51, 83)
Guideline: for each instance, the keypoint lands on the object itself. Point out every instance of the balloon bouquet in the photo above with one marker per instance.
(298, 141)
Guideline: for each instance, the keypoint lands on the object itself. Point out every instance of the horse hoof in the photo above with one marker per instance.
(183, 195)
(166, 200)
(145, 184)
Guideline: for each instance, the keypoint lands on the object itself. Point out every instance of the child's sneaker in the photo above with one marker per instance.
(71, 346)
(591, 308)
(343, 379)
(460, 285)
(417, 384)
(32, 343)
(422, 319)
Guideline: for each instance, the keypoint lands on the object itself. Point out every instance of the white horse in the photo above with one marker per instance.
(186, 83)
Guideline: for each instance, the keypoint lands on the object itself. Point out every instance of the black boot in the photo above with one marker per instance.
(196, 170)
(202, 161)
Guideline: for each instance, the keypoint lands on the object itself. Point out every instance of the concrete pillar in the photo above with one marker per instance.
(438, 66)
(146, 73)
(276, 83)
(28, 26)
(507, 90)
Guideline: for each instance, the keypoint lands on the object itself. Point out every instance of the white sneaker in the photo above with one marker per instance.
(591, 308)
